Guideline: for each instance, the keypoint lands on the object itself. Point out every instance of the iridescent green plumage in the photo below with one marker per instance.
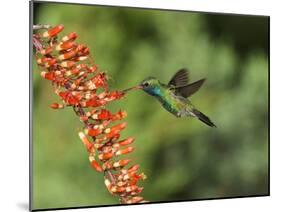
(174, 95)
(177, 105)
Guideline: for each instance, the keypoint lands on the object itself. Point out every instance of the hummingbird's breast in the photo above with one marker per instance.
(177, 105)
(172, 103)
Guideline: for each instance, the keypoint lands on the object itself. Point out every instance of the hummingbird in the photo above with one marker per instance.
(174, 95)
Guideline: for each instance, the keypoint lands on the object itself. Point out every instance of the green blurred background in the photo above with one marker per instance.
(183, 158)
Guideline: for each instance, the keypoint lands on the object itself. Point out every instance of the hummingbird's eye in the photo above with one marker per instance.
(145, 84)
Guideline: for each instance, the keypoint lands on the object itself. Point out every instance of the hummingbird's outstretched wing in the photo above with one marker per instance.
(179, 83)
(180, 79)
(189, 89)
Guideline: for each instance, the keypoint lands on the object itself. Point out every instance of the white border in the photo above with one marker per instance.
(14, 103)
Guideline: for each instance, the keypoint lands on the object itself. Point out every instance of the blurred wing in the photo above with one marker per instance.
(180, 79)
(190, 89)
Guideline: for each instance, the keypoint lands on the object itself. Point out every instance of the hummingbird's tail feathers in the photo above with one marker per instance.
(202, 117)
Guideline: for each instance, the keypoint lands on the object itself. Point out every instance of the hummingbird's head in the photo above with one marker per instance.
(151, 85)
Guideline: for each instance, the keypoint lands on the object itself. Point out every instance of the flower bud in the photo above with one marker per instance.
(71, 36)
(117, 189)
(65, 45)
(67, 64)
(121, 163)
(108, 185)
(124, 151)
(92, 132)
(105, 156)
(53, 31)
(67, 55)
(124, 142)
(95, 164)
(86, 142)
(48, 75)
(56, 106)
(110, 132)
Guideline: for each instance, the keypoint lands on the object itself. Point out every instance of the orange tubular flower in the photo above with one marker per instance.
(77, 84)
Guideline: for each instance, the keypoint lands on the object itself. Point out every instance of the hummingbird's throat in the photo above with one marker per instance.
(154, 91)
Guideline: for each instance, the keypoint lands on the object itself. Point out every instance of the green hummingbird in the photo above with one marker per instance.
(174, 95)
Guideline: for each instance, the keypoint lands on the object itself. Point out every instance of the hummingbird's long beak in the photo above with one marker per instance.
(133, 88)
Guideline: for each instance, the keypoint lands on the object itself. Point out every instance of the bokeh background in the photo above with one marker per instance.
(183, 158)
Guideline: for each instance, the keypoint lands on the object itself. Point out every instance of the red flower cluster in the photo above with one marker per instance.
(82, 86)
